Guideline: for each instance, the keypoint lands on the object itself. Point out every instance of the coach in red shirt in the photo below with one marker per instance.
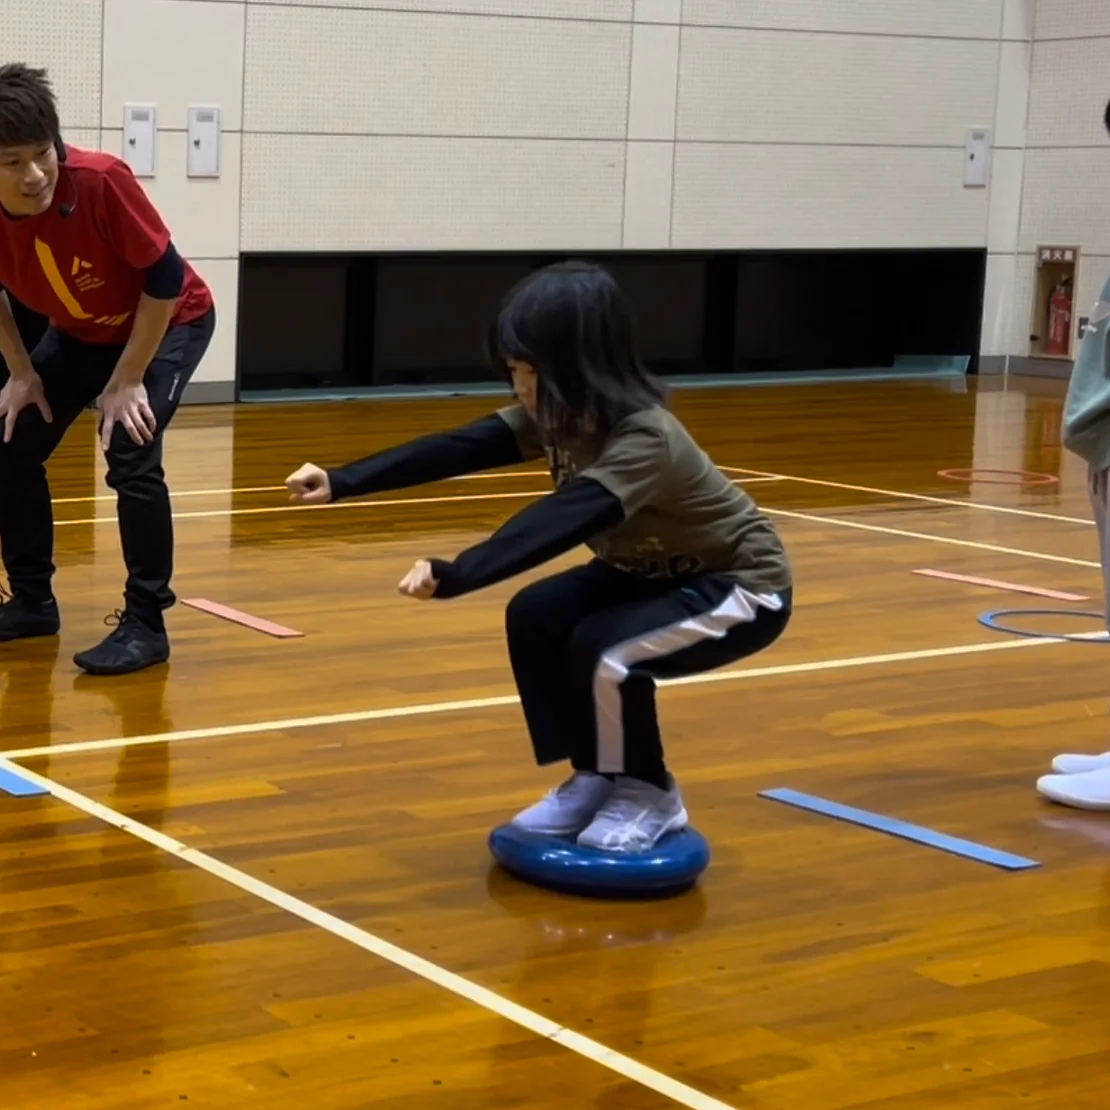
(130, 320)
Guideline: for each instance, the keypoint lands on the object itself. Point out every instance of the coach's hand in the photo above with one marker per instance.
(419, 582)
(18, 394)
(127, 405)
(309, 486)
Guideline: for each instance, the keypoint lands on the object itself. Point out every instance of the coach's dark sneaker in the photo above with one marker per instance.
(22, 619)
(133, 646)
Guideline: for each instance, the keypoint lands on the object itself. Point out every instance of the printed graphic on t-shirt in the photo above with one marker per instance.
(650, 559)
(85, 280)
(83, 277)
(561, 464)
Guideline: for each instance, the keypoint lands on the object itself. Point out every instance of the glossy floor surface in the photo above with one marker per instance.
(261, 876)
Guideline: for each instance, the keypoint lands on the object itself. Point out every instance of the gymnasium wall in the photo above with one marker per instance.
(381, 125)
(1066, 195)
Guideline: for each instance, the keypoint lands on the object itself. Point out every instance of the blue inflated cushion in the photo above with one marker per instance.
(559, 863)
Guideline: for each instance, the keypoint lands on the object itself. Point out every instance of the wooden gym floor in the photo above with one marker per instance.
(261, 878)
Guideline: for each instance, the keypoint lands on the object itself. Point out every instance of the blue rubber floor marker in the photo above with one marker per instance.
(19, 787)
(902, 829)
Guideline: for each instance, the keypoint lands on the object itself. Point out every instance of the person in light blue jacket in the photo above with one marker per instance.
(1083, 781)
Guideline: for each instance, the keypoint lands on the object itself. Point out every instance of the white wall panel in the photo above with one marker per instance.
(1025, 281)
(1067, 199)
(376, 72)
(823, 197)
(944, 18)
(84, 137)
(658, 11)
(202, 213)
(775, 86)
(430, 193)
(600, 10)
(222, 276)
(1018, 19)
(1058, 19)
(1094, 269)
(1012, 105)
(1070, 88)
(198, 59)
(63, 36)
(647, 196)
(998, 294)
(1007, 171)
(654, 82)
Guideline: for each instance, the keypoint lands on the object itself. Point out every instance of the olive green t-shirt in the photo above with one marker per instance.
(683, 517)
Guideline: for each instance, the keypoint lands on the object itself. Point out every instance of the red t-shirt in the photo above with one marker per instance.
(85, 271)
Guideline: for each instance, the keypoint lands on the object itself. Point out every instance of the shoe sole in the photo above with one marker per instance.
(1077, 803)
(91, 668)
(1062, 799)
(44, 634)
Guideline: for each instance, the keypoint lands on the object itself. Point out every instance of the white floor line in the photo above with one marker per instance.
(758, 475)
(422, 709)
(392, 502)
(225, 491)
(178, 493)
(833, 521)
(883, 529)
(480, 996)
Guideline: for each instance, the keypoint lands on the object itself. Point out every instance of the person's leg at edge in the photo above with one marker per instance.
(1083, 781)
(540, 623)
(145, 516)
(26, 515)
(616, 657)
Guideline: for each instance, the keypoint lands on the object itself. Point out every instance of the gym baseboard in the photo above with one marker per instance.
(209, 393)
(1026, 367)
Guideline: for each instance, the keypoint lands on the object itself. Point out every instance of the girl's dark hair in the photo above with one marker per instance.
(572, 324)
(1108, 116)
(28, 109)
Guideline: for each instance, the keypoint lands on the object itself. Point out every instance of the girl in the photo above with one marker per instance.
(687, 576)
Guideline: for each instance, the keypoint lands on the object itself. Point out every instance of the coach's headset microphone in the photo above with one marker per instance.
(65, 210)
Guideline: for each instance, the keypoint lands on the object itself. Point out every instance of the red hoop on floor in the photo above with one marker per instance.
(1014, 477)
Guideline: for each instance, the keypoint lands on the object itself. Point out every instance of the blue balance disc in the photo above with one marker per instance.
(559, 863)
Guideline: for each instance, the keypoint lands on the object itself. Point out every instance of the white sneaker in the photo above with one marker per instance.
(1087, 790)
(1079, 764)
(569, 808)
(635, 817)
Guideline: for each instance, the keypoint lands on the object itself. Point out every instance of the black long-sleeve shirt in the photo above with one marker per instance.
(542, 531)
(645, 497)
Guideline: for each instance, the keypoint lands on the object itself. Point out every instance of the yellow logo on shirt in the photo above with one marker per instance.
(57, 282)
(85, 281)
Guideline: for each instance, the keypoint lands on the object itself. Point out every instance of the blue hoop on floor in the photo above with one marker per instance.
(559, 863)
(990, 620)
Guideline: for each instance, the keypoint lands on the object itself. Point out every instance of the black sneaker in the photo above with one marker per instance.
(21, 619)
(133, 646)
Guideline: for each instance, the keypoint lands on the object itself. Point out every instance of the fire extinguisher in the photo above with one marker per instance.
(1059, 321)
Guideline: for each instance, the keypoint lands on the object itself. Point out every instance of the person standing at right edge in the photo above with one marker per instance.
(130, 320)
(688, 574)
(1083, 781)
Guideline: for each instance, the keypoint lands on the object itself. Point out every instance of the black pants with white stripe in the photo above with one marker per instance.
(587, 645)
